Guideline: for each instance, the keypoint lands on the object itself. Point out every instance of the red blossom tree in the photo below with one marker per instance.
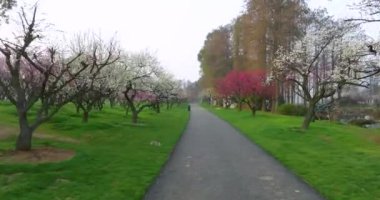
(250, 87)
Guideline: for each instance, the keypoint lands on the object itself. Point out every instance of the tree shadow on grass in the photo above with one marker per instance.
(141, 124)
(295, 129)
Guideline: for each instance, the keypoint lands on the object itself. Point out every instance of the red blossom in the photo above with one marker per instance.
(245, 84)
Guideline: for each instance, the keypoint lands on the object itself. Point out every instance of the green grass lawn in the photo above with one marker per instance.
(341, 162)
(114, 159)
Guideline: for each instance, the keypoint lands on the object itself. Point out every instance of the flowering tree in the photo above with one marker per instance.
(94, 80)
(137, 101)
(137, 81)
(33, 75)
(370, 8)
(259, 89)
(137, 74)
(250, 87)
(6, 5)
(166, 90)
(330, 56)
(233, 85)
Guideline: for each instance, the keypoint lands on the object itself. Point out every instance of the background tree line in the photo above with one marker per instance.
(252, 39)
(308, 56)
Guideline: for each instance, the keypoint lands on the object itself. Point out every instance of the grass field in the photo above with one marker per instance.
(341, 162)
(114, 159)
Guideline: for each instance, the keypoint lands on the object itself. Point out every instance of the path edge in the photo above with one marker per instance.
(170, 157)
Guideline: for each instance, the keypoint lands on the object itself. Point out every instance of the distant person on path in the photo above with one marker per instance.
(189, 107)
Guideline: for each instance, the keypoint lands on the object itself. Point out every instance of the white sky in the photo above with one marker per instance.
(173, 29)
(341, 9)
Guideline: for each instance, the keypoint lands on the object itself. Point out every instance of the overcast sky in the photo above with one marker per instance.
(173, 29)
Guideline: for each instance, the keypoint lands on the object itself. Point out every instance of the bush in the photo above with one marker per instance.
(291, 109)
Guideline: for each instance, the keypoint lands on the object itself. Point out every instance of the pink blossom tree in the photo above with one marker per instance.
(249, 87)
(258, 89)
(233, 86)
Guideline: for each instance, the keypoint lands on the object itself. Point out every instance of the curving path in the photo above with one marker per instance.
(212, 161)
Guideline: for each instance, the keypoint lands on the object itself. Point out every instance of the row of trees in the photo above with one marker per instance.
(304, 52)
(252, 40)
(87, 71)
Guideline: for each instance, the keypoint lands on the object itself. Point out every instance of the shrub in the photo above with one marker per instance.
(291, 109)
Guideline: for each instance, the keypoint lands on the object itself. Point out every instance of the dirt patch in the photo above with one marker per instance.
(375, 139)
(6, 133)
(9, 132)
(325, 138)
(56, 138)
(37, 156)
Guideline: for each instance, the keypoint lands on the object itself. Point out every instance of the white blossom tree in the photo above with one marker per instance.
(94, 81)
(370, 9)
(132, 79)
(165, 89)
(331, 55)
(36, 76)
(5, 6)
(143, 83)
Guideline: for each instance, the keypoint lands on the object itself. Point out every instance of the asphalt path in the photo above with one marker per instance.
(213, 161)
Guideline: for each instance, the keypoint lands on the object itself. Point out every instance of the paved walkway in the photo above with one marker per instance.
(214, 162)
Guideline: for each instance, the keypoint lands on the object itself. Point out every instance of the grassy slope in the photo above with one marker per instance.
(114, 160)
(342, 162)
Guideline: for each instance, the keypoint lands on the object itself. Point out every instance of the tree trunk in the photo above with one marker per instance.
(46, 112)
(252, 108)
(24, 140)
(240, 107)
(253, 111)
(85, 116)
(126, 111)
(276, 101)
(112, 102)
(309, 116)
(135, 115)
(158, 108)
